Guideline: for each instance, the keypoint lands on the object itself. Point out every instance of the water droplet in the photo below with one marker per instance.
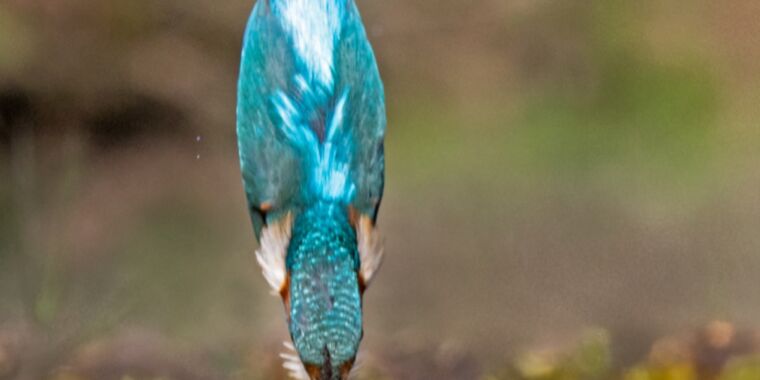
(198, 138)
(377, 30)
(197, 156)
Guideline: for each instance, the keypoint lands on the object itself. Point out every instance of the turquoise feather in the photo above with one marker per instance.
(311, 122)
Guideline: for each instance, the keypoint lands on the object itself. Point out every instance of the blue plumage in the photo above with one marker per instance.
(311, 122)
(323, 262)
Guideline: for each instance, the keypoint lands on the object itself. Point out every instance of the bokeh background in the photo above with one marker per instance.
(568, 182)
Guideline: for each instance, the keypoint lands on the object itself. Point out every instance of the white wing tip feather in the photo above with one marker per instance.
(292, 363)
(272, 251)
(370, 249)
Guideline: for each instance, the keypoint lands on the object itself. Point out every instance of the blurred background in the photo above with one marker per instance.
(573, 192)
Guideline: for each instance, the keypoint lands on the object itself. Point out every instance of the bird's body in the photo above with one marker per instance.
(311, 122)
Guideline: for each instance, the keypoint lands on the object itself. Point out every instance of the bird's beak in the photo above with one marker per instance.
(345, 369)
(317, 372)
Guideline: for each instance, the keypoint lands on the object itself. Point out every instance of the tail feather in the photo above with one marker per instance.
(292, 363)
(370, 249)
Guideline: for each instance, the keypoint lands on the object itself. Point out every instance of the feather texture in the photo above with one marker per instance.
(292, 363)
(285, 95)
(370, 249)
(273, 248)
(313, 26)
(310, 125)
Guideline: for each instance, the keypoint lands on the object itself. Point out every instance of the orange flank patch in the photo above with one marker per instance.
(285, 293)
(313, 371)
(353, 216)
(367, 225)
(362, 283)
(345, 369)
(370, 249)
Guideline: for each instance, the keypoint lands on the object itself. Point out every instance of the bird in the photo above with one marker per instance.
(311, 123)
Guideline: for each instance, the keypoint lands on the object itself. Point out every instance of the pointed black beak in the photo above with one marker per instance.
(327, 371)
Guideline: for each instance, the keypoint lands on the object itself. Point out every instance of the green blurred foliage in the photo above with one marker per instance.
(742, 369)
(591, 359)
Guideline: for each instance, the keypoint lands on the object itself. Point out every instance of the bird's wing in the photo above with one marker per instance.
(357, 71)
(269, 164)
(308, 99)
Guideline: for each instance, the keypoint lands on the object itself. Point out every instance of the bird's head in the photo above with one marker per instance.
(326, 328)
(324, 293)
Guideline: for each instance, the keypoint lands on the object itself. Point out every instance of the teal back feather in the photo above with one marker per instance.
(278, 94)
(311, 122)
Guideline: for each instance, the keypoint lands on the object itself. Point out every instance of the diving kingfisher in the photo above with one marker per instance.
(310, 126)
